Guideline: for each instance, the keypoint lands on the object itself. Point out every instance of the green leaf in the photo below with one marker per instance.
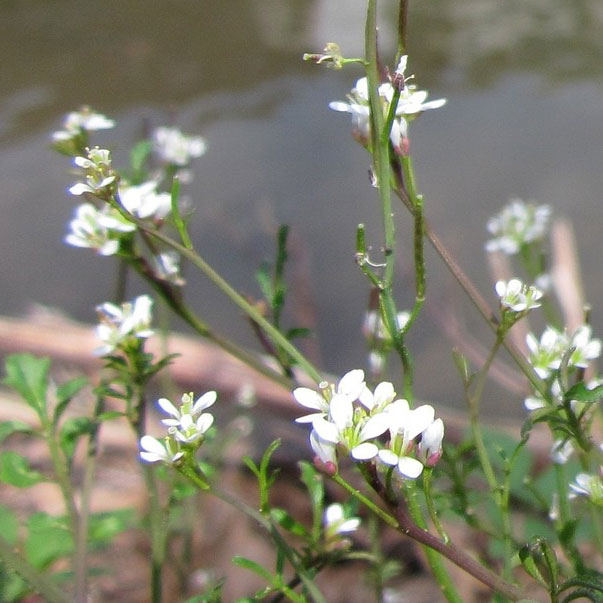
(72, 430)
(540, 561)
(105, 526)
(262, 276)
(581, 393)
(15, 470)
(286, 521)
(28, 375)
(48, 539)
(462, 366)
(65, 393)
(253, 566)
(7, 428)
(9, 525)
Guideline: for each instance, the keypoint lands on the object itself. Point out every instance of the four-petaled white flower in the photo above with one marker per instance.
(430, 446)
(585, 348)
(518, 224)
(154, 451)
(189, 407)
(411, 102)
(350, 386)
(97, 229)
(546, 354)
(404, 425)
(517, 297)
(349, 429)
(175, 148)
(100, 176)
(85, 119)
(119, 323)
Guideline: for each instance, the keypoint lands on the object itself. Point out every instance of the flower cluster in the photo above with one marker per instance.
(518, 224)
(187, 427)
(98, 229)
(174, 148)
(547, 353)
(74, 135)
(410, 103)
(517, 297)
(554, 348)
(122, 324)
(352, 417)
(100, 176)
(143, 200)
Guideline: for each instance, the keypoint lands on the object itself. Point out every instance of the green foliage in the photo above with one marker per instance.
(16, 471)
(28, 375)
(106, 525)
(48, 539)
(8, 428)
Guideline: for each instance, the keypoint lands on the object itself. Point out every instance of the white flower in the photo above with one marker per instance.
(350, 429)
(174, 147)
(430, 446)
(189, 406)
(100, 176)
(586, 349)
(349, 386)
(88, 229)
(546, 354)
(143, 201)
(84, 119)
(518, 224)
(335, 521)
(154, 451)
(325, 451)
(376, 401)
(516, 296)
(191, 429)
(411, 102)
(405, 425)
(119, 323)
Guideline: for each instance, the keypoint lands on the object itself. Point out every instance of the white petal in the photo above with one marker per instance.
(205, 401)
(326, 430)
(388, 457)
(168, 408)
(410, 467)
(153, 445)
(204, 422)
(334, 513)
(309, 398)
(364, 451)
(352, 383)
(374, 427)
(418, 420)
(309, 418)
(341, 411)
(338, 106)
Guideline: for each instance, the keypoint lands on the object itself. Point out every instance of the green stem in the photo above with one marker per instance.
(433, 514)
(410, 522)
(39, 582)
(277, 337)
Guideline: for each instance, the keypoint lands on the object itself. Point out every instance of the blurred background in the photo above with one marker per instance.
(524, 82)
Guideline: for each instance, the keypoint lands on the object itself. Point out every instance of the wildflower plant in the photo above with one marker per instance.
(388, 457)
